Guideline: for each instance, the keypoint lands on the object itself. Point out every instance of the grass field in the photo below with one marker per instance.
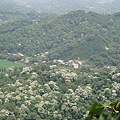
(7, 64)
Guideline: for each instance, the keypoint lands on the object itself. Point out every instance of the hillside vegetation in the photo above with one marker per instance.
(52, 89)
(89, 36)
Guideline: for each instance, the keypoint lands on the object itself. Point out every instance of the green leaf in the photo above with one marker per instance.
(113, 104)
(96, 109)
(105, 105)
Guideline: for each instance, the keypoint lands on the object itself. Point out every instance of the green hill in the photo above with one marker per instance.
(89, 36)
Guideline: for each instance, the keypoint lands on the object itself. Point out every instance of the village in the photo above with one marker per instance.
(71, 63)
(40, 58)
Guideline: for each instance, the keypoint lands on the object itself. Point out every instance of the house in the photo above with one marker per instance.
(20, 54)
(52, 66)
(61, 62)
(78, 62)
(74, 63)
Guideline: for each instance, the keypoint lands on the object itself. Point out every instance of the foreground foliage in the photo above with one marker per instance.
(97, 111)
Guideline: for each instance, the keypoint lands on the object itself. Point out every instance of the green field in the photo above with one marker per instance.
(7, 64)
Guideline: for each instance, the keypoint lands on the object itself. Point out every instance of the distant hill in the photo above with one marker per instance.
(62, 6)
(13, 16)
(88, 36)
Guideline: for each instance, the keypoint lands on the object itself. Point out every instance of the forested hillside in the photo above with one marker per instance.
(61, 65)
(92, 37)
(44, 93)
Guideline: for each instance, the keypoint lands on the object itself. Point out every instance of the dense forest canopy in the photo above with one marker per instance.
(44, 93)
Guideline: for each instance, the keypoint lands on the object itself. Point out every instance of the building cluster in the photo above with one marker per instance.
(71, 63)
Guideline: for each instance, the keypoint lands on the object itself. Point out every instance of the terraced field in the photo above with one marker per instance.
(7, 64)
